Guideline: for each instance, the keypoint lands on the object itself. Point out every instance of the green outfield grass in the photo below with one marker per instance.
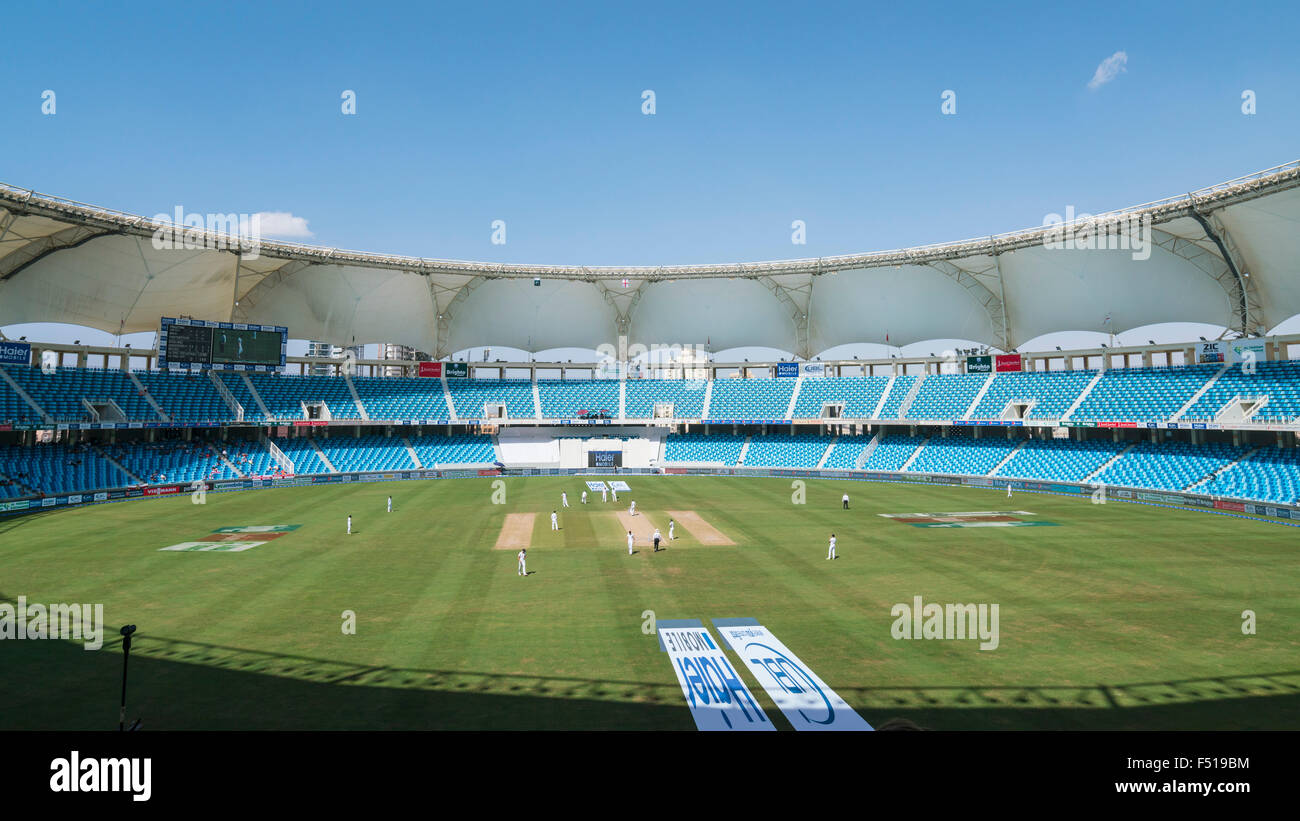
(1120, 616)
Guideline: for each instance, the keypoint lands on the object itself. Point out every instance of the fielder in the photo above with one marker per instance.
(604, 494)
(584, 497)
(615, 492)
(564, 499)
(349, 524)
(523, 562)
(831, 553)
(671, 525)
(631, 511)
(1008, 491)
(630, 541)
(555, 521)
(390, 504)
(657, 537)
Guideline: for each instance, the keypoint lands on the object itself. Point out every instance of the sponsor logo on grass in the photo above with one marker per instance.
(715, 694)
(619, 485)
(234, 539)
(953, 622)
(801, 696)
(78, 622)
(596, 486)
(258, 529)
(978, 518)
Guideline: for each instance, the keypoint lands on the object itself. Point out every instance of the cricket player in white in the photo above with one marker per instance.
(1008, 491)
(604, 493)
(523, 562)
(584, 497)
(630, 541)
(615, 492)
(631, 511)
(555, 521)
(349, 524)
(390, 504)
(564, 499)
(671, 525)
(831, 553)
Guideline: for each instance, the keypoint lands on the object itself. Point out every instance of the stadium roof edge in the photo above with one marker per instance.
(1223, 255)
(1251, 186)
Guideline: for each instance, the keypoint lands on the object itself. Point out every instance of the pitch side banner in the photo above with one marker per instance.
(1210, 352)
(1248, 350)
(1007, 362)
(715, 694)
(803, 698)
(15, 353)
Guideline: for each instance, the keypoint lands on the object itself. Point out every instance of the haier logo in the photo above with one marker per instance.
(15, 353)
(715, 694)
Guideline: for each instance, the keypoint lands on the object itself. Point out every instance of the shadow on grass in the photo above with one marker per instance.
(177, 684)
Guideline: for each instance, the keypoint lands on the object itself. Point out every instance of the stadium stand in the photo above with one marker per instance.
(962, 454)
(1269, 474)
(1048, 394)
(399, 398)
(718, 448)
(470, 396)
(892, 452)
(1061, 460)
(1255, 468)
(860, 395)
(902, 385)
(1142, 394)
(686, 397)
(1278, 381)
(1168, 466)
(574, 399)
(751, 398)
(946, 396)
(777, 450)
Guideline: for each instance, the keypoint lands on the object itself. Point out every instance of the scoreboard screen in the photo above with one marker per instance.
(189, 343)
(248, 346)
(604, 458)
(195, 343)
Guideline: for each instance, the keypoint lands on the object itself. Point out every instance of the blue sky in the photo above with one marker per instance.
(531, 113)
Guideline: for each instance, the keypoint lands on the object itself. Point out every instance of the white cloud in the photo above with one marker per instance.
(1109, 69)
(282, 224)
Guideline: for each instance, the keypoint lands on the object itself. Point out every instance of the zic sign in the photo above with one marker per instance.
(803, 698)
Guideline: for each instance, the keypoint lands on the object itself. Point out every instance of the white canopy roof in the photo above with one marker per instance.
(1226, 255)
